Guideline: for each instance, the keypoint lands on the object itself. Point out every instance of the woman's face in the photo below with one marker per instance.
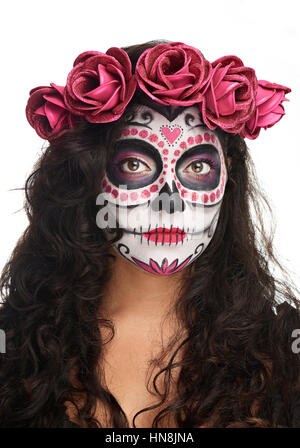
(164, 185)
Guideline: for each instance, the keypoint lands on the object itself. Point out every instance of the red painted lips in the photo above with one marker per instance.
(162, 235)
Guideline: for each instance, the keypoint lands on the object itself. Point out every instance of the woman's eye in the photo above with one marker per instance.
(133, 166)
(198, 167)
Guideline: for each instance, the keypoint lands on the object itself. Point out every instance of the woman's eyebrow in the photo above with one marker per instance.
(136, 123)
(137, 144)
(199, 149)
(200, 125)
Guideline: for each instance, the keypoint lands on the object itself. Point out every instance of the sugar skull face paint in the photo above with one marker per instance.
(164, 185)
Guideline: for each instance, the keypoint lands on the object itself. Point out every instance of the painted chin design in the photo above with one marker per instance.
(155, 160)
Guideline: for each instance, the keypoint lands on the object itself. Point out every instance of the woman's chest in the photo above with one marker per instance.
(127, 367)
(128, 370)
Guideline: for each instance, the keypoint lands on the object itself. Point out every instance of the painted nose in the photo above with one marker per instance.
(168, 200)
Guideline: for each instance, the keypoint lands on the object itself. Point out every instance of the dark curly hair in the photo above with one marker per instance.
(237, 365)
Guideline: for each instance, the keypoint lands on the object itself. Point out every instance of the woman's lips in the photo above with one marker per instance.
(163, 235)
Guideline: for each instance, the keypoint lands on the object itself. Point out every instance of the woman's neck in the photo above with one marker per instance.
(130, 291)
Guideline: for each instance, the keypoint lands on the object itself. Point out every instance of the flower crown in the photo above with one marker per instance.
(100, 86)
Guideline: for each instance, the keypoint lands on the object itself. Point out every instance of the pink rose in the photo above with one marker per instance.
(100, 86)
(173, 73)
(229, 98)
(269, 109)
(47, 113)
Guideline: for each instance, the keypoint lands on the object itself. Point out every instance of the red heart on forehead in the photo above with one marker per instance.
(170, 135)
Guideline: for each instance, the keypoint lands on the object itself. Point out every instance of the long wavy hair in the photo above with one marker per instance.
(237, 367)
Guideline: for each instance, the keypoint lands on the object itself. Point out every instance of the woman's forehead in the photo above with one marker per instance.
(165, 114)
(183, 130)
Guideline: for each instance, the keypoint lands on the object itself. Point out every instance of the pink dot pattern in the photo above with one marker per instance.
(183, 193)
(134, 196)
(207, 137)
(205, 198)
(198, 139)
(145, 193)
(143, 133)
(153, 138)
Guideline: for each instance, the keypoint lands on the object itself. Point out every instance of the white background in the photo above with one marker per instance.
(40, 41)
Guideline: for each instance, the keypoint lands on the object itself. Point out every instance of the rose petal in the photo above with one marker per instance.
(55, 99)
(41, 111)
(104, 92)
(104, 75)
(175, 93)
(270, 101)
(265, 121)
(53, 113)
(113, 100)
(85, 55)
(122, 57)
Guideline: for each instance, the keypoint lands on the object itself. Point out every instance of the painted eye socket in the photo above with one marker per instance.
(134, 166)
(198, 167)
(133, 163)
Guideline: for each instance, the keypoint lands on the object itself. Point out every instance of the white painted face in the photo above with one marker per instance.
(164, 186)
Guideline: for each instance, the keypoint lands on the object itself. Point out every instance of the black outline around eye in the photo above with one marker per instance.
(143, 148)
(200, 182)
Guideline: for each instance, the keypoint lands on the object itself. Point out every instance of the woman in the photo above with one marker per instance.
(141, 294)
